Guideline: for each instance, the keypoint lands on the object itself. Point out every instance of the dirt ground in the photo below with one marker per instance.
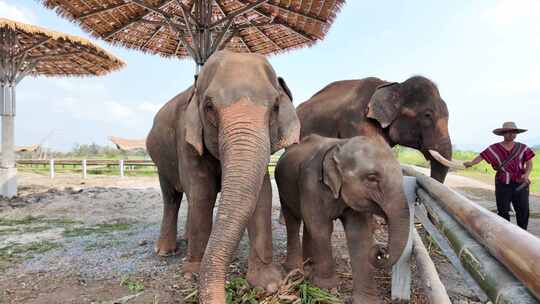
(74, 240)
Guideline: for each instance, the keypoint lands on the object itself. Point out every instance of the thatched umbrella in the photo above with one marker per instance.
(128, 144)
(31, 50)
(197, 28)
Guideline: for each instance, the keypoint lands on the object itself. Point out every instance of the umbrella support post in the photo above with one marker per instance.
(8, 172)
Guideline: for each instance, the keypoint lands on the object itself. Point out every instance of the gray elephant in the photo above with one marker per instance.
(411, 113)
(323, 179)
(218, 136)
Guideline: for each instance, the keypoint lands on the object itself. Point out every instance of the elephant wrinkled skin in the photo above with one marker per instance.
(323, 179)
(218, 136)
(411, 113)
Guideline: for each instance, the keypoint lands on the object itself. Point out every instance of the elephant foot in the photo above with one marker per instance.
(165, 249)
(293, 263)
(325, 282)
(189, 268)
(366, 298)
(268, 277)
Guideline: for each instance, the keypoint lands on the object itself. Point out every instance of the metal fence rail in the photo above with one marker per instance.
(84, 163)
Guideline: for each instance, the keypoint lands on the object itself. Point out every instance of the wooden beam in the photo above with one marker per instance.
(267, 37)
(219, 38)
(163, 13)
(288, 10)
(226, 41)
(279, 21)
(186, 11)
(152, 37)
(240, 11)
(33, 46)
(244, 42)
(132, 21)
(177, 47)
(101, 10)
(36, 58)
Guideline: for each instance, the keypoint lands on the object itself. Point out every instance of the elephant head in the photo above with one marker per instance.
(365, 175)
(240, 112)
(413, 114)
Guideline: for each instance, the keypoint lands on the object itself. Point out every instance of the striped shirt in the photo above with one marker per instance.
(514, 169)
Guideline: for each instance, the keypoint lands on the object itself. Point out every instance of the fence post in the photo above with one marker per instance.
(401, 271)
(121, 164)
(51, 168)
(84, 168)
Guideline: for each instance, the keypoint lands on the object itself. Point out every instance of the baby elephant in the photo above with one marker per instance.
(323, 179)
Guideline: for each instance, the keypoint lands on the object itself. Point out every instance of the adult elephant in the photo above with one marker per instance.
(411, 113)
(218, 136)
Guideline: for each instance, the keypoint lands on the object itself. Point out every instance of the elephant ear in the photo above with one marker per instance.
(331, 174)
(194, 131)
(285, 88)
(385, 103)
(287, 127)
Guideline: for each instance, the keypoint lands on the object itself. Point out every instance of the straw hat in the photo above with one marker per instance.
(508, 126)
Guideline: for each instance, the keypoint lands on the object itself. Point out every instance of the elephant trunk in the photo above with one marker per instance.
(398, 216)
(438, 170)
(244, 148)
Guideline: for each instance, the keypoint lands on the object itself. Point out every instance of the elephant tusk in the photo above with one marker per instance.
(445, 162)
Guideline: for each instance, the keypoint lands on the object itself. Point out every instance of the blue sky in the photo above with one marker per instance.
(484, 56)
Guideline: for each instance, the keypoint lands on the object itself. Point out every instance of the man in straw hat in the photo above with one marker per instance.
(513, 162)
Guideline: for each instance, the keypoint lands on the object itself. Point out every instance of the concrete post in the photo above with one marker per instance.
(84, 168)
(8, 172)
(401, 271)
(121, 165)
(51, 168)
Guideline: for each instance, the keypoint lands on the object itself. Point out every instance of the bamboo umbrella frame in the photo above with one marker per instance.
(198, 28)
(31, 50)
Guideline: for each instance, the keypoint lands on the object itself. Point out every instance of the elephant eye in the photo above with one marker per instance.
(428, 115)
(372, 177)
(208, 106)
(210, 112)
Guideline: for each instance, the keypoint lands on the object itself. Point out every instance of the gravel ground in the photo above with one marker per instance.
(71, 240)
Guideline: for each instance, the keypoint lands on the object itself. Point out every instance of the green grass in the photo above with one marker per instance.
(14, 252)
(481, 171)
(132, 284)
(30, 220)
(31, 224)
(295, 291)
(97, 229)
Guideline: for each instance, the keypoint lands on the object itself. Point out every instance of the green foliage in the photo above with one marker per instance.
(98, 229)
(95, 151)
(132, 284)
(29, 220)
(310, 294)
(15, 252)
(239, 292)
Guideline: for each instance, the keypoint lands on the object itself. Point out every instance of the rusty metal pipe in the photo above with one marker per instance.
(514, 247)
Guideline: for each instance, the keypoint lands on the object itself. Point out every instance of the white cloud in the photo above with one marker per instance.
(13, 12)
(106, 111)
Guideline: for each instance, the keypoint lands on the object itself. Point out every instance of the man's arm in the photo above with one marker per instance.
(473, 162)
(528, 170)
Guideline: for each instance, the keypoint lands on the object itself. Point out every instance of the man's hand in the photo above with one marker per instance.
(525, 179)
(468, 164)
